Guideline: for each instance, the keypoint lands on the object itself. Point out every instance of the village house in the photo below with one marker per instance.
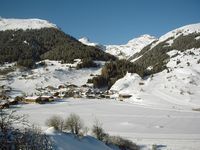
(39, 99)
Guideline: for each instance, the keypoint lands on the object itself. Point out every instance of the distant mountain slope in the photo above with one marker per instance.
(86, 41)
(155, 54)
(174, 88)
(173, 63)
(24, 24)
(133, 46)
(32, 40)
(184, 31)
(154, 57)
(123, 51)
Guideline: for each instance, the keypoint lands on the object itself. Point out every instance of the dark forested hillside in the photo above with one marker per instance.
(29, 46)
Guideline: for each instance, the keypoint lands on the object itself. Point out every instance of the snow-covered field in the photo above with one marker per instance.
(159, 111)
(168, 128)
(53, 74)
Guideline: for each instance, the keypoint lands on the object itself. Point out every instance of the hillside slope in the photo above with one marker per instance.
(155, 55)
(68, 141)
(31, 40)
(173, 63)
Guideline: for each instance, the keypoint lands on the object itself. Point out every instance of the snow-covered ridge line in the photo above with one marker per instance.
(123, 51)
(133, 46)
(24, 24)
(86, 41)
(184, 30)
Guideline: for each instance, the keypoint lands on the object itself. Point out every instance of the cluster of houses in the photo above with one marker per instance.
(50, 93)
(71, 90)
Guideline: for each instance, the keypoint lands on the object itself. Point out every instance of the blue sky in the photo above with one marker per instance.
(107, 21)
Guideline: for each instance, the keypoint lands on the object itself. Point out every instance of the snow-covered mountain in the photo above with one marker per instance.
(30, 40)
(155, 54)
(86, 41)
(176, 86)
(133, 46)
(24, 24)
(172, 35)
(123, 51)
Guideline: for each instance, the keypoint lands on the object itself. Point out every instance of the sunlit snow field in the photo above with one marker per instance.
(170, 129)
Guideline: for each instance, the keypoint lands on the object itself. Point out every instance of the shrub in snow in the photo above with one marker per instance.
(188, 64)
(98, 131)
(55, 121)
(122, 143)
(19, 99)
(32, 138)
(154, 147)
(86, 63)
(74, 124)
(196, 109)
(141, 83)
(178, 62)
(23, 138)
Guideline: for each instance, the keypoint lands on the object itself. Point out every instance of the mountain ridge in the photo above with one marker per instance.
(133, 46)
(33, 40)
(152, 59)
(24, 24)
(123, 51)
(173, 71)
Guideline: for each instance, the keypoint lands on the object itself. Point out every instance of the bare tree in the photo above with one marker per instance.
(98, 131)
(74, 124)
(122, 143)
(55, 121)
(23, 137)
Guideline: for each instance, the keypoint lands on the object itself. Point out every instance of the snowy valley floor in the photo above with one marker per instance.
(169, 129)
